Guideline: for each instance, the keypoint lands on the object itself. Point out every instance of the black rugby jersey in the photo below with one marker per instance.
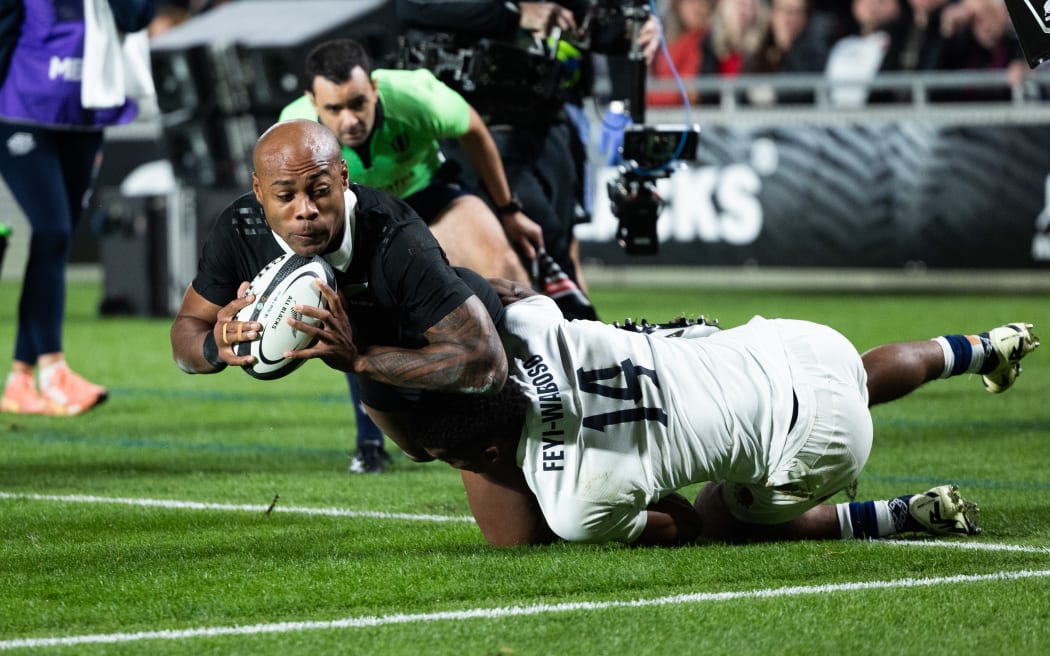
(399, 282)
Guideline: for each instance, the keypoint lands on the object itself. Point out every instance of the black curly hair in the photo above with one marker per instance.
(335, 60)
(454, 422)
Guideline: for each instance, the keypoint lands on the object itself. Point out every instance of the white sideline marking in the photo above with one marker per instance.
(972, 546)
(197, 505)
(513, 611)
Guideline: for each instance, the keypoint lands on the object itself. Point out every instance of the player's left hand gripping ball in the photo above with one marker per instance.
(280, 286)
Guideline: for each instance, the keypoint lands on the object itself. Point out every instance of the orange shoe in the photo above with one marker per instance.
(20, 396)
(66, 393)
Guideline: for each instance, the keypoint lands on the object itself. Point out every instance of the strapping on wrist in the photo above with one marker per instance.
(211, 352)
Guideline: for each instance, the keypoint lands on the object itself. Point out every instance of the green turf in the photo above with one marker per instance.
(72, 568)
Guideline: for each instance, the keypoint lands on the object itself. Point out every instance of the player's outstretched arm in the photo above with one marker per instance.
(464, 353)
(203, 334)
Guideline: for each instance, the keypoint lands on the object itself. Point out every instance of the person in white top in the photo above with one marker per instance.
(857, 58)
(607, 424)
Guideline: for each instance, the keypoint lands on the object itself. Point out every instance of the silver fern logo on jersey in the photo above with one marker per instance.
(1040, 12)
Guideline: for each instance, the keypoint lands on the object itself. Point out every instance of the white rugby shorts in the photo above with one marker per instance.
(831, 440)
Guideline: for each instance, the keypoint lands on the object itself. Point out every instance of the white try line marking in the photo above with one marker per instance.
(514, 611)
(340, 512)
(198, 505)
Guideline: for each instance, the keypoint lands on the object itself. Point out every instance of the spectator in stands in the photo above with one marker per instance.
(980, 37)
(917, 37)
(792, 44)
(737, 28)
(859, 56)
(836, 15)
(875, 15)
(685, 27)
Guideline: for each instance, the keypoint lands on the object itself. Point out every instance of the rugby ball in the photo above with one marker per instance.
(282, 284)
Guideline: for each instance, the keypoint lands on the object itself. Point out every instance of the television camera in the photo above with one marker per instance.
(649, 152)
(525, 84)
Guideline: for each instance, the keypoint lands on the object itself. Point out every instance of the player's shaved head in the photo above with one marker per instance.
(295, 138)
(300, 179)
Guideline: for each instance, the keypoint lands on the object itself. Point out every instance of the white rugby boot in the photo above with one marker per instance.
(941, 511)
(1011, 343)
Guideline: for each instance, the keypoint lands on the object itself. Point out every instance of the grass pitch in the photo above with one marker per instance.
(141, 527)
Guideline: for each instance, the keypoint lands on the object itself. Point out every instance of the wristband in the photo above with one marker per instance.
(513, 207)
(211, 352)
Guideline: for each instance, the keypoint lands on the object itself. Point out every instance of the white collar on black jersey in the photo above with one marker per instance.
(339, 259)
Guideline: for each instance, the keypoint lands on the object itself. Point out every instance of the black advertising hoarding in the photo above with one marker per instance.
(891, 195)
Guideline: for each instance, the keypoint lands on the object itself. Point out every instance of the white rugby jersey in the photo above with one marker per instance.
(621, 419)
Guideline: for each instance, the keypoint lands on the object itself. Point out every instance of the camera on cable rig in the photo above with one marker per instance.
(649, 153)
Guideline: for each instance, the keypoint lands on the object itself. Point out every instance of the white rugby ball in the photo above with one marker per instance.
(282, 284)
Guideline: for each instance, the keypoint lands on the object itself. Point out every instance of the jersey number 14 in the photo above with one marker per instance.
(589, 381)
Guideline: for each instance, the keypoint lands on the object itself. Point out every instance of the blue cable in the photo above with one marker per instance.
(685, 98)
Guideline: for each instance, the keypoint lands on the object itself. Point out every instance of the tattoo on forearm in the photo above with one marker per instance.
(464, 354)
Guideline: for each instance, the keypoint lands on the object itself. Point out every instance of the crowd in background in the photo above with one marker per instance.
(853, 40)
(842, 39)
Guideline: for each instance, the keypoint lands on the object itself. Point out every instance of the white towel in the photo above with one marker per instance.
(138, 76)
(102, 82)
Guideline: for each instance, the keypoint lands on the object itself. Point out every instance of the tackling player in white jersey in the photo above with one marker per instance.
(606, 424)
